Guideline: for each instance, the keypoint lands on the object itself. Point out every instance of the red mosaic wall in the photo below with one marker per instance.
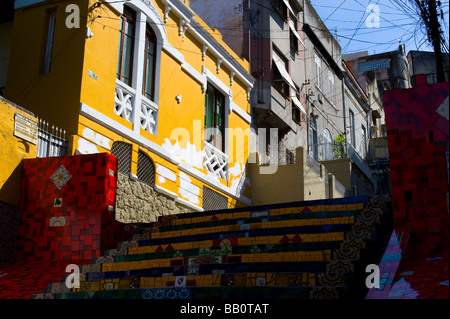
(67, 208)
(418, 127)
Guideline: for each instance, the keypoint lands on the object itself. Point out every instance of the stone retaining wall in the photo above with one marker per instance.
(137, 202)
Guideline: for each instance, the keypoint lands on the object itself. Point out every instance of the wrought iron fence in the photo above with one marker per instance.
(51, 140)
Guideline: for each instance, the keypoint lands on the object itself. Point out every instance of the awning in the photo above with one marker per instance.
(286, 2)
(298, 104)
(376, 114)
(282, 69)
(292, 27)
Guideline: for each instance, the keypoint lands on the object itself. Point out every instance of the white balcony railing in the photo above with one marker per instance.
(124, 105)
(149, 115)
(124, 100)
(215, 161)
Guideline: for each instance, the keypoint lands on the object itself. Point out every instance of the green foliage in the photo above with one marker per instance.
(340, 147)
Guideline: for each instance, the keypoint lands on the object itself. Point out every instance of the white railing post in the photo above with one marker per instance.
(124, 100)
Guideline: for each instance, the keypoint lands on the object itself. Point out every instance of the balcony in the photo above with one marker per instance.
(124, 100)
(124, 106)
(346, 151)
(351, 171)
(149, 115)
(215, 161)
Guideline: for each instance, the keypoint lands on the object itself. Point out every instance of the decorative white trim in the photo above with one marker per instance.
(177, 55)
(164, 191)
(193, 72)
(205, 48)
(207, 180)
(186, 26)
(189, 204)
(165, 172)
(209, 76)
(166, 13)
(232, 74)
(182, 10)
(221, 53)
(232, 107)
(126, 132)
(181, 24)
(102, 119)
(219, 62)
(244, 115)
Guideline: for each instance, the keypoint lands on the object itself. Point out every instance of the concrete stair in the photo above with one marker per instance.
(304, 250)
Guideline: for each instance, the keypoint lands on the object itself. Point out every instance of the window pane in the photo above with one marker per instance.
(126, 44)
(129, 29)
(50, 39)
(149, 78)
(119, 57)
(127, 56)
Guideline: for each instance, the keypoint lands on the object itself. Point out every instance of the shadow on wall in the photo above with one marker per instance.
(9, 217)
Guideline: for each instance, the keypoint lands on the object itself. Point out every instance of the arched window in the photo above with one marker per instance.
(327, 145)
(148, 88)
(145, 169)
(126, 46)
(313, 140)
(138, 65)
(122, 151)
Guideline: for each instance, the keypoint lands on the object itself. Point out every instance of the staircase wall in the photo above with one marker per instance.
(67, 208)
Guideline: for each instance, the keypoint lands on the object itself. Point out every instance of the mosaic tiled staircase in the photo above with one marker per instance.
(306, 250)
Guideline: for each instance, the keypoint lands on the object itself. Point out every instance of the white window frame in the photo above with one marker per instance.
(332, 87)
(144, 17)
(327, 145)
(318, 63)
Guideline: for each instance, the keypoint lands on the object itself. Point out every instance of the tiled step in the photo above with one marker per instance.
(349, 204)
(247, 218)
(222, 280)
(283, 251)
(212, 235)
(252, 226)
(205, 293)
(300, 256)
(205, 251)
(242, 241)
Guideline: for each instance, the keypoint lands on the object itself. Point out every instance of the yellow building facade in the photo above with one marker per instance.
(18, 139)
(145, 80)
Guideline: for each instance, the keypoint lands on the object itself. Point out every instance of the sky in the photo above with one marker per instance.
(397, 22)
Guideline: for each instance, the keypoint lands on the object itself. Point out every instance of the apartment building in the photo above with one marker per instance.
(147, 81)
(298, 92)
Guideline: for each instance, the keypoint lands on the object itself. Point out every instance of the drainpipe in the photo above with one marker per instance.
(343, 106)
